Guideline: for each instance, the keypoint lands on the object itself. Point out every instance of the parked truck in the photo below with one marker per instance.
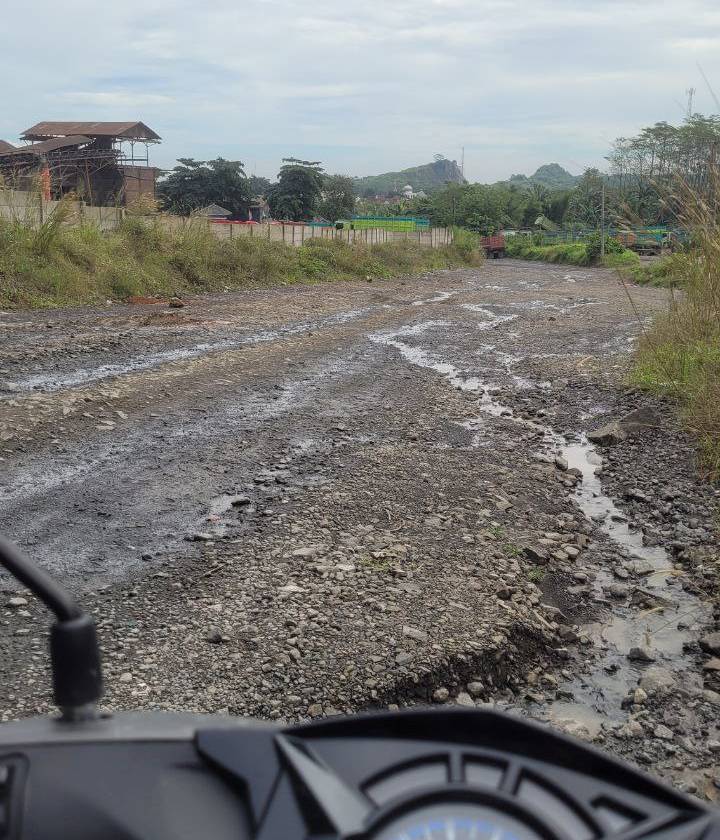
(494, 246)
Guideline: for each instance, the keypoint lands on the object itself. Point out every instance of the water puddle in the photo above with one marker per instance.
(440, 297)
(663, 628)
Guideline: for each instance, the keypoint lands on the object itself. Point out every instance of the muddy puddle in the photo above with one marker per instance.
(596, 697)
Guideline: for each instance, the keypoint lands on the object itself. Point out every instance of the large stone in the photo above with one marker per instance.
(537, 555)
(657, 680)
(608, 434)
(640, 420)
(414, 633)
(641, 654)
(634, 423)
(711, 643)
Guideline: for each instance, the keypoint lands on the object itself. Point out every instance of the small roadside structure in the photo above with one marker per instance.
(215, 212)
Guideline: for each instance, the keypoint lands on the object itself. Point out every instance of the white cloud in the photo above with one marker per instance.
(119, 99)
(366, 86)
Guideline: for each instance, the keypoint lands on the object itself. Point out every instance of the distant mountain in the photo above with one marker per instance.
(428, 178)
(551, 175)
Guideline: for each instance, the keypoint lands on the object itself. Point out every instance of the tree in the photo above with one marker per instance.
(338, 198)
(259, 186)
(195, 184)
(585, 204)
(297, 191)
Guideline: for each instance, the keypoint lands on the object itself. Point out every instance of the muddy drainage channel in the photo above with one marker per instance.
(627, 641)
(49, 382)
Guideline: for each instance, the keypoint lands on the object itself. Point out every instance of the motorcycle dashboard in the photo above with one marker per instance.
(417, 775)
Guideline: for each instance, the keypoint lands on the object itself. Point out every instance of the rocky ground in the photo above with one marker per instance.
(297, 502)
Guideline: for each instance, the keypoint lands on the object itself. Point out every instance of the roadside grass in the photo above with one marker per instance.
(667, 272)
(679, 355)
(58, 264)
(571, 253)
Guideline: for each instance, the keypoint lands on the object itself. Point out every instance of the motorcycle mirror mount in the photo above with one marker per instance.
(74, 649)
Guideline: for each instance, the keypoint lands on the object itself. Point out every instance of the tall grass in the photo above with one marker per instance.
(680, 354)
(57, 264)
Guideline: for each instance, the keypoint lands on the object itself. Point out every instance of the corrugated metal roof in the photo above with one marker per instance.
(124, 130)
(214, 210)
(48, 146)
(5, 146)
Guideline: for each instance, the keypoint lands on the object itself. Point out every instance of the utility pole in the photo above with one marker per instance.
(690, 95)
(602, 223)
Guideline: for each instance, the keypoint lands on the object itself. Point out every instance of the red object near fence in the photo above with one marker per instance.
(494, 246)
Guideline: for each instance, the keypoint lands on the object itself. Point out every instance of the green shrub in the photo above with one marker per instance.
(593, 246)
(624, 260)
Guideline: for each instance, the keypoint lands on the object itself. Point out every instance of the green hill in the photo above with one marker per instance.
(428, 178)
(550, 175)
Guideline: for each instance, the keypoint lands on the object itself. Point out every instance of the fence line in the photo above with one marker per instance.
(297, 233)
(28, 208)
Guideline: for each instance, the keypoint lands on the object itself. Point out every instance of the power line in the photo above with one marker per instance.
(709, 87)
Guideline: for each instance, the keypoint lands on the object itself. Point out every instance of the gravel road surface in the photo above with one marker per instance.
(308, 500)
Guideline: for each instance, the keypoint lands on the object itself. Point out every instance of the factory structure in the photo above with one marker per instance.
(103, 163)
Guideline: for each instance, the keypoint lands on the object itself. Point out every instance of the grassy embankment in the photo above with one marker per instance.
(573, 253)
(679, 355)
(58, 264)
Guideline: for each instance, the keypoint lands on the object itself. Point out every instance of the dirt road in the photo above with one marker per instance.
(299, 501)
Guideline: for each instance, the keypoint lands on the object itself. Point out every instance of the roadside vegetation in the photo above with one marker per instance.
(572, 253)
(59, 264)
(680, 354)
(667, 272)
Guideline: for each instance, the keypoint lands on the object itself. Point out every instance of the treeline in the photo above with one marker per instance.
(302, 191)
(650, 169)
(647, 172)
(489, 208)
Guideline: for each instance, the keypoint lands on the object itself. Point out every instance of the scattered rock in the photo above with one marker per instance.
(607, 435)
(663, 732)
(641, 654)
(414, 633)
(17, 601)
(475, 688)
(711, 643)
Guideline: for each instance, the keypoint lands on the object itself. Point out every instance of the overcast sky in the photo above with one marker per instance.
(365, 86)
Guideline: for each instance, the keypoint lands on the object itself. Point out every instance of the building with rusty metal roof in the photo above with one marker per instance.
(104, 163)
(115, 130)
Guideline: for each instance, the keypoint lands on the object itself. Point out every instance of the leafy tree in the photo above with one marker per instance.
(195, 184)
(585, 203)
(541, 195)
(558, 206)
(338, 198)
(297, 191)
(646, 168)
(259, 186)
